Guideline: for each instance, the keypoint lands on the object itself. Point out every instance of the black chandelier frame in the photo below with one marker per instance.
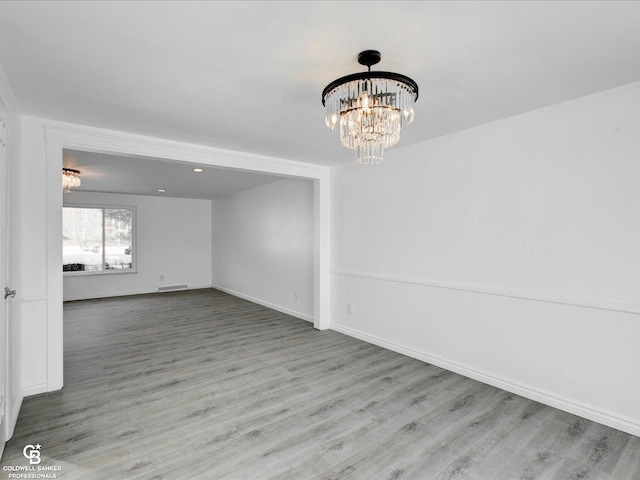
(368, 58)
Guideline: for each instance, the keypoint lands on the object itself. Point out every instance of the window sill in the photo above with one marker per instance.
(103, 272)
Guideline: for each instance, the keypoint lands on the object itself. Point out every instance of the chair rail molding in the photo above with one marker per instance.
(500, 292)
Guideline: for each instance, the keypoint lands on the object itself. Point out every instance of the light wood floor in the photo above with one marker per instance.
(203, 385)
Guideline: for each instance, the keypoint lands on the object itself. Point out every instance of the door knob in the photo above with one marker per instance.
(9, 293)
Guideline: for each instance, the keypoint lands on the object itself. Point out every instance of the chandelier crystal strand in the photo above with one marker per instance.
(70, 179)
(369, 110)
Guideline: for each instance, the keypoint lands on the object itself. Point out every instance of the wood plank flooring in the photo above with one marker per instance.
(203, 385)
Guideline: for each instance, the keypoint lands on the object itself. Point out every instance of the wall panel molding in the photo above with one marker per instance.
(500, 292)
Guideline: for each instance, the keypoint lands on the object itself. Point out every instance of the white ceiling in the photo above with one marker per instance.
(248, 76)
(144, 176)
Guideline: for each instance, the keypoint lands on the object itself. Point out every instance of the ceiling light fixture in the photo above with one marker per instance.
(161, 190)
(198, 170)
(370, 108)
(70, 179)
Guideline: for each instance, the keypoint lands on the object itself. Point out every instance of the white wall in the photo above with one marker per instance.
(508, 252)
(173, 238)
(263, 245)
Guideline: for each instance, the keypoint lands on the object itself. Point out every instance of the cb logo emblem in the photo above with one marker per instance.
(32, 452)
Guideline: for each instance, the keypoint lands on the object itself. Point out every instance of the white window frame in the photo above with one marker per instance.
(134, 246)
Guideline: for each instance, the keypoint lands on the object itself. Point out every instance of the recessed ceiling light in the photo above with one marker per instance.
(198, 170)
(161, 190)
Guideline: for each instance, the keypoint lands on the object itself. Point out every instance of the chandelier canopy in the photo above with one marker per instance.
(70, 178)
(370, 108)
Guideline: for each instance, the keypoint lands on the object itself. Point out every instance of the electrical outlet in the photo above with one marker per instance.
(162, 278)
(348, 309)
(295, 296)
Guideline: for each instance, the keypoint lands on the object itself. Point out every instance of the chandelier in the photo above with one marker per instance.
(70, 178)
(369, 108)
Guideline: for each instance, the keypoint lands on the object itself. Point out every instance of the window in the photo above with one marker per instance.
(97, 239)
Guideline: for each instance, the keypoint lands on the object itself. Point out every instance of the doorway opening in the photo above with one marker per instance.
(146, 157)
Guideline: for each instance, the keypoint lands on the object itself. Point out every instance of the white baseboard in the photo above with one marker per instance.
(603, 417)
(34, 389)
(125, 293)
(264, 303)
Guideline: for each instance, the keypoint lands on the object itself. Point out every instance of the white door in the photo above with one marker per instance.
(6, 424)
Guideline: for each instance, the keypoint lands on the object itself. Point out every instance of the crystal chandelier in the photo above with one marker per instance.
(370, 108)
(70, 178)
